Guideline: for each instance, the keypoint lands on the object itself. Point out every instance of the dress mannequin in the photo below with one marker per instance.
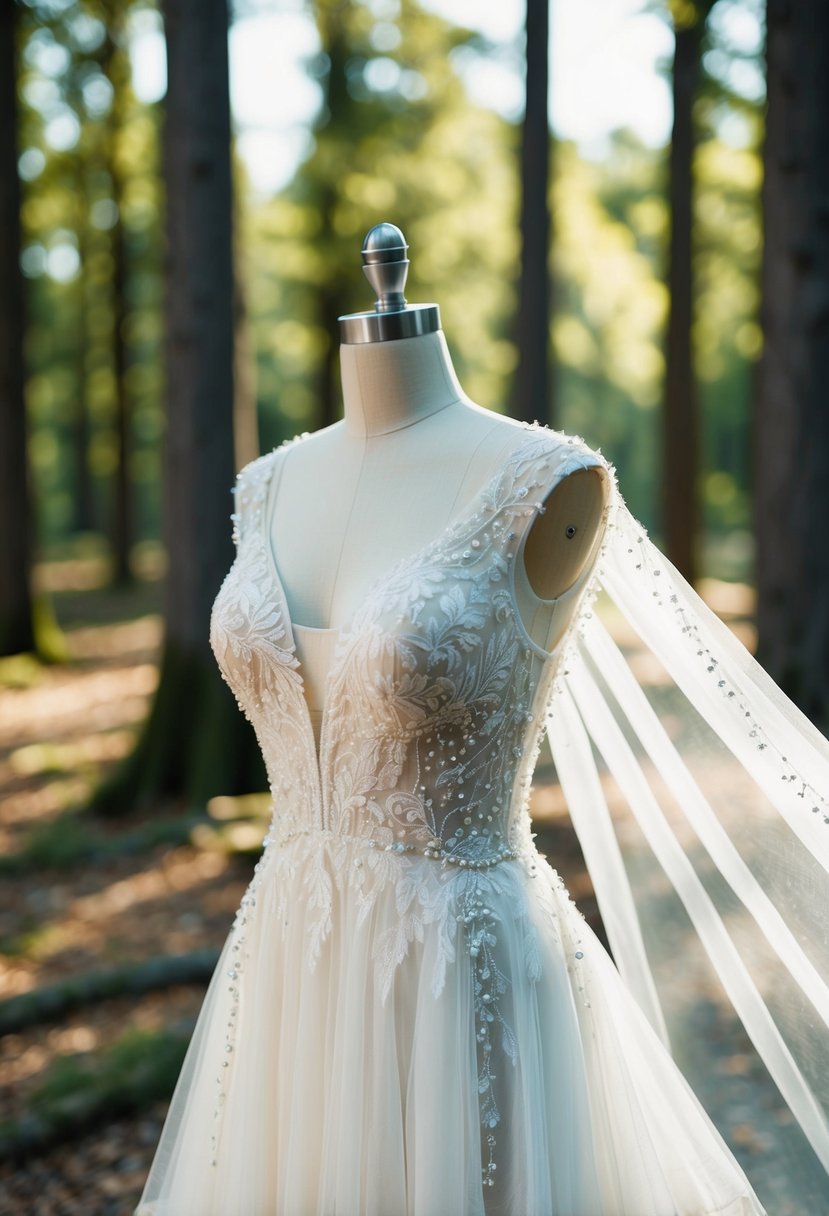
(409, 454)
(410, 1014)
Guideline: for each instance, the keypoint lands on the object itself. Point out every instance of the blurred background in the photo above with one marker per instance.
(620, 207)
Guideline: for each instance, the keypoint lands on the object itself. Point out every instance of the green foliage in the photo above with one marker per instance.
(87, 1088)
(81, 124)
(20, 671)
(26, 941)
(140, 1062)
(610, 229)
(396, 138)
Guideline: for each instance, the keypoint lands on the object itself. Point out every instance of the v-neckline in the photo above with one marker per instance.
(346, 629)
(319, 754)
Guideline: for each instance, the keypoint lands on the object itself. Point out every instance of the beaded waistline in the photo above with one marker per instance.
(436, 849)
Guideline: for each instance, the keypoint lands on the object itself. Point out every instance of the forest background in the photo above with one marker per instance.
(403, 141)
(677, 295)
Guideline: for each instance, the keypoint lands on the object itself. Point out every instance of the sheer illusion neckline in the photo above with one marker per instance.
(346, 631)
(453, 525)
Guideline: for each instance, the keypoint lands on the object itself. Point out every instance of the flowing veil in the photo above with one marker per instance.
(700, 796)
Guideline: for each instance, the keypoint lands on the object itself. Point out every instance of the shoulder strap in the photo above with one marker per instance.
(251, 488)
(251, 482)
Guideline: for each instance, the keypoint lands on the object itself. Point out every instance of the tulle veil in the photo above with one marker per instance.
(700, 796)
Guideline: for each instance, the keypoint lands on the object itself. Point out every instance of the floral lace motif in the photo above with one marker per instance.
(433, 719)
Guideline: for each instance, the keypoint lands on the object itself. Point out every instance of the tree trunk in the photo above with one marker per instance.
(83, 514)
(116, 70)
(195, 743)
(16, 618)
(681, 440)
(122, 522)
(84, 162)
(791, 451)
(533, 384)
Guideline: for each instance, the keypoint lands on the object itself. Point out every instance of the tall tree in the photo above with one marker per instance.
(82, 501)
(16, 621)
(115, 67)
(791, 453)
(681, 440)
(195, 742)
(80, 429)
(533, 385)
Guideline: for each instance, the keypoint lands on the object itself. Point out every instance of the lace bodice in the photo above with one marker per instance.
(430, 724)
(433, 708)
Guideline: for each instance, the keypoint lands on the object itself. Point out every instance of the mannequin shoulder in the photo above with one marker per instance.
(562, 463)
(501, 440)
(579, 490)
(557, 453)
(567, 452)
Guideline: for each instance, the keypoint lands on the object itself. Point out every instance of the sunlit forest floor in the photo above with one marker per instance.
(111, 927)
(81, 896)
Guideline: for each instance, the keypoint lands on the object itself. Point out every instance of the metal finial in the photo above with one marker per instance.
(386, 266)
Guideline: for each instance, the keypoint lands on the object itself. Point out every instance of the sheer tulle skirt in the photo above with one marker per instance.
(342, 1101)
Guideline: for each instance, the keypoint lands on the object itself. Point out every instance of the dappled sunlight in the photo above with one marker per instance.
(622, 306)
(158, 908)
(177, 871)
(46, 759)
(29, 805)
(60, 735)
(98, 700)
(62, 730)
(224, 808)
(125, 639)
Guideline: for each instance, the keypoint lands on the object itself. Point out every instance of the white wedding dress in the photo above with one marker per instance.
(410, 1016)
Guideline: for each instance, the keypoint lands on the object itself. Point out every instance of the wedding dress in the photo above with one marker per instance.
(410, 1016)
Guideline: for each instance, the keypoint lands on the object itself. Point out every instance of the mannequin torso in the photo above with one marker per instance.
(409, 455)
